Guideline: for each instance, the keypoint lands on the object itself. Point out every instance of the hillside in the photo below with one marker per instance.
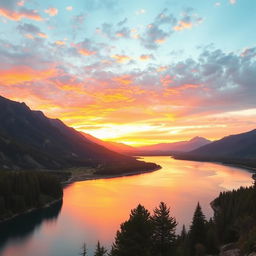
(239, 148)
(169, 148)
(29, 140)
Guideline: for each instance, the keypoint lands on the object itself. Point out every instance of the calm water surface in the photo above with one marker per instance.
(93, 210)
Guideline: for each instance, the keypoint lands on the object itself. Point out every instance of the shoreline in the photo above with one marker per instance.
(84, 177)
(47, 205)
(241, 166)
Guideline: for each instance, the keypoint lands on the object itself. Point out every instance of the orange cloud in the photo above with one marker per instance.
(183, 25)
(121, 58)
(161, 69)
(59, 42)
(125, 79)
(86, 52)
(160, 40)
(145, 57)
(23, 74)
(29, 36)
(19, 15)
(43, 35)
(51, 11)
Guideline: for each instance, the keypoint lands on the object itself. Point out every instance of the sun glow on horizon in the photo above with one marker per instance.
(139, 74)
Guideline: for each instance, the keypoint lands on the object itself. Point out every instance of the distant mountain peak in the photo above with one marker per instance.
(198, 138)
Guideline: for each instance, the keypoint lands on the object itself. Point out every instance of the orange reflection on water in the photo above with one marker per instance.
(93, 210)
(101, 205)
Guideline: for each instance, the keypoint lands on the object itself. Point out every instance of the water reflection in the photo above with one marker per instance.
(20, 229)
(93, 210)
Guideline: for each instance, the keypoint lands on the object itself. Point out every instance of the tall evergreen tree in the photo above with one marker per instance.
(197, 230)
(134, 237)
(182, 243)
(84, 250)
(164, 226)
(100, 250)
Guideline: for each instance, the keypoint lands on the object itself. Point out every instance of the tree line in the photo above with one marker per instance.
(144, 234)
(21, 191)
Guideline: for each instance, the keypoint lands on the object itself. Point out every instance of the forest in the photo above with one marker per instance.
(21, 191)
(146, 234)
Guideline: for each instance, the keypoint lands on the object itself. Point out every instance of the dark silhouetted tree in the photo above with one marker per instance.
(134, 237)
(182, 243)
(100, 250)
(164, 226)
(198, 232)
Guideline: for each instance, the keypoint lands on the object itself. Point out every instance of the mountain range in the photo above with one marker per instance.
(181, 146)
(234, 149)
(29, 140)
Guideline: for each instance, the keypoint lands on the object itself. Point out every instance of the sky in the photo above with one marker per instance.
(137, 72)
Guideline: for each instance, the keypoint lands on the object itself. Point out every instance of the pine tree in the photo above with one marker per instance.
(183, 234)
(84, 250)
(164, 226)
(134, 237)
(198, 230)
(100, 250)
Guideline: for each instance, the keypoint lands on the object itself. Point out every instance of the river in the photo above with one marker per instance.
(93, 210)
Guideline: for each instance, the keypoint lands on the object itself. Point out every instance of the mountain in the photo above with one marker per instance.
(239, 148)
(114, 146)
(182, 146)
(29, 140)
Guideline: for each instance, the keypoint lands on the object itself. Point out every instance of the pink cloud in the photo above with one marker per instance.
(51, 11)
(21, 14)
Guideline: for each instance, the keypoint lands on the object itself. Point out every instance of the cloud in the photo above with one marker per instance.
(22, 13)
(124, 32)
(60, 42)
(122, 22)
(14, 10)
(146, 57)
(21, 3)
(121, 58)
(232, 1)
(51, 11)
(69, 8)
(140, 12)
(86, 47)
(114, 32)
(157, 32)
(23, 74)
(188, 21)
(31, 31)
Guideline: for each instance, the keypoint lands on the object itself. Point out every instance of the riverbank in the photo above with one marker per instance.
(251, 168)
(47, 205)
(25, 191)
(89, 175)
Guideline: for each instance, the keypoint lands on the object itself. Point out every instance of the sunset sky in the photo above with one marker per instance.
(138, 72)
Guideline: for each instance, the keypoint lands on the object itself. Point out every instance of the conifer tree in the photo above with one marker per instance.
(164, 226)
(134, 237)
(100, 250)
(197, 230)
(84, 250)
